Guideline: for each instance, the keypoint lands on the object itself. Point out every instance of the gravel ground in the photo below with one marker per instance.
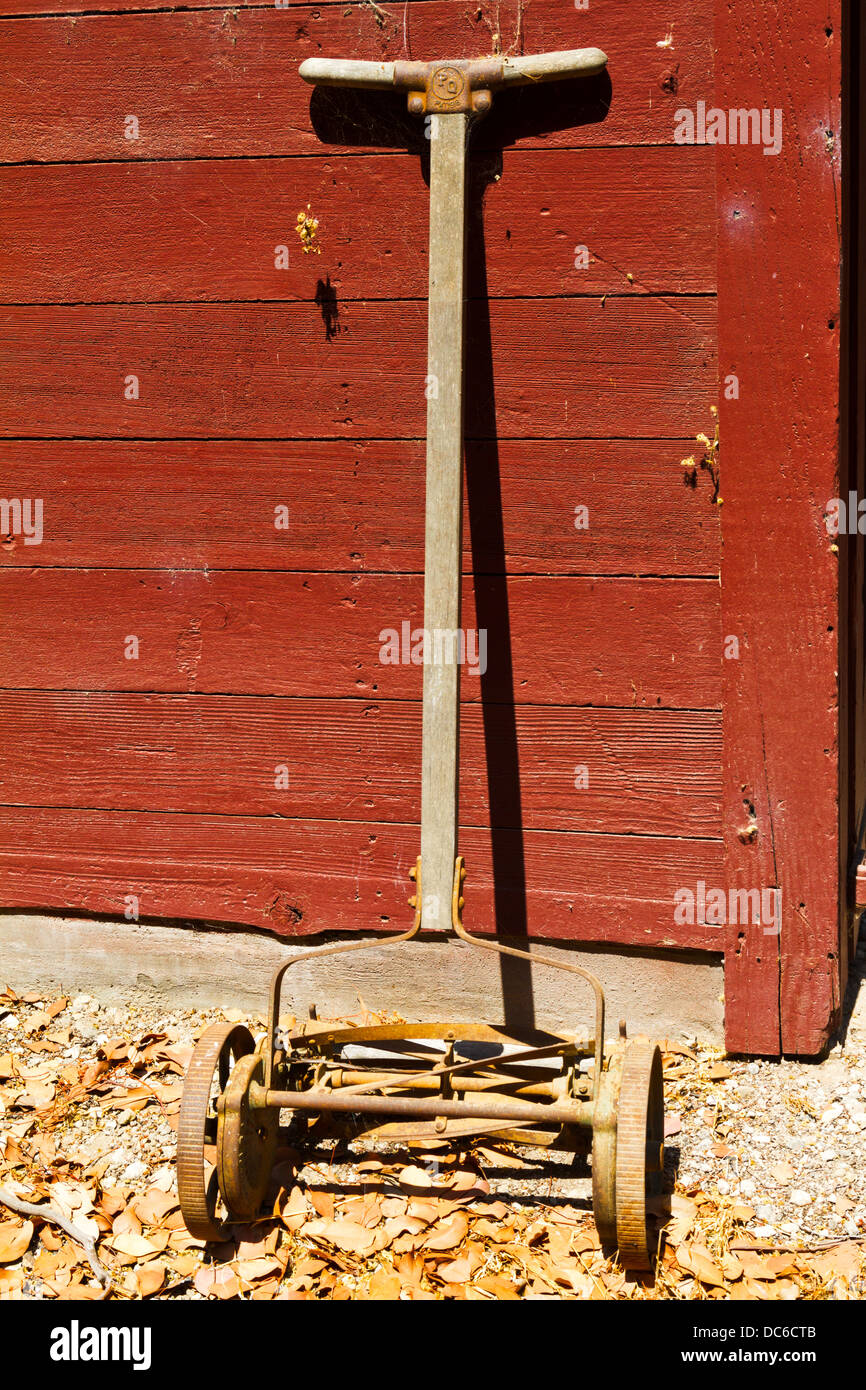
(772, 1152)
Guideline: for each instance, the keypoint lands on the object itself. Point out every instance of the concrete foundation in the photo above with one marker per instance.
(200, 966)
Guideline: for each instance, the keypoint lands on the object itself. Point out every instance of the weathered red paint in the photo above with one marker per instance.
(155, 257)
(224, 82)
(649, 771)
(629, 367)
(202, 504)
(172, 231)
(347, 875)
(779, 325)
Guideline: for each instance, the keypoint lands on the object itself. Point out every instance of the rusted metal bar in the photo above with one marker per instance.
(343, 947)
(572, 1112)
(536, 959)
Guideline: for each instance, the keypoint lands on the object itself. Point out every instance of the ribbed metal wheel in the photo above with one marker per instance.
(639, 1152)
(216, 1052)
(246, 1141)
(604, 1153)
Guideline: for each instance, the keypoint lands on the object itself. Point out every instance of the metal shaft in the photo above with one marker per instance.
(444, 645)
(569, 1112)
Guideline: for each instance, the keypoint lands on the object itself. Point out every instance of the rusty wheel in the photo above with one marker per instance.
(604, 1153)
(217, 1049)
(246, 1141)
(639, 1152)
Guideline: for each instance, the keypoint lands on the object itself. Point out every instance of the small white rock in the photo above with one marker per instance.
(747, 1188)
(830, 1114)
(800, 1198)
(133, 1171)
(723, 1187)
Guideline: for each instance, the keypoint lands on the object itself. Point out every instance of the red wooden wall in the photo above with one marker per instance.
(304, 388)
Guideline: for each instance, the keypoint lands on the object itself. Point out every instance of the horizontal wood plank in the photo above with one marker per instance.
(549, 641)
(629, 368)
(359, 507)
(559, 222)
(612, 771)
(225, 82)
(325, 876)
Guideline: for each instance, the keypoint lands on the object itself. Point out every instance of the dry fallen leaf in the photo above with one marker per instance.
(346, 1235)
(385, 1284)
(456, 1271)
(449, 1234)
(262, 1267)
(150, 1279)
(697, 1260)
(782, 1172)
(11, 1281)
(415, 1179)
(138, 1246)
(37, 1094)
(499, 1158)
(15, 1236)
(498, 1286)
(322, 1202)
(154, 1206)
(217, 1281)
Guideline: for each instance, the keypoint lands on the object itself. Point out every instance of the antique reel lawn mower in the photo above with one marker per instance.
(446, 1080)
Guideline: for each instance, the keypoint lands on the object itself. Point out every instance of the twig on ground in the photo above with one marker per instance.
(49, 1213)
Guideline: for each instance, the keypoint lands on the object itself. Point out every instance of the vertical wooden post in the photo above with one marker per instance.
(779, 325)
(444, 516)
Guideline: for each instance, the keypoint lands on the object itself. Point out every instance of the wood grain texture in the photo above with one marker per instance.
(628, 368)
(646, 771)
(358, 506)
(297, 879)
(550, 641)
(224, 82)
(188, 231)
(779, 333)
(159, 785)
(852, 562)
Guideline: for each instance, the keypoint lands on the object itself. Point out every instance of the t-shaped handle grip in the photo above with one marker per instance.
(463, 84)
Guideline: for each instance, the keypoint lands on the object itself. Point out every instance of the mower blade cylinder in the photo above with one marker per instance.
(444, 644)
